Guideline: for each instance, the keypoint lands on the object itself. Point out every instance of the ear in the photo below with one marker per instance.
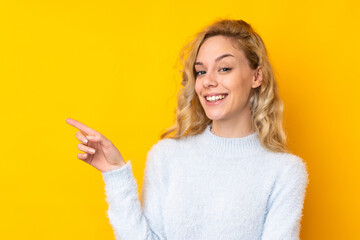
(257, 78)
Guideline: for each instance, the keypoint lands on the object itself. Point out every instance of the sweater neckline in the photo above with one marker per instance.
(230, 147)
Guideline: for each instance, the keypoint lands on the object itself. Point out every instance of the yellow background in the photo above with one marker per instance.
(111, 65)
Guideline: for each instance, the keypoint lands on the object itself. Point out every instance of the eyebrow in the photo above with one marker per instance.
(217, 59)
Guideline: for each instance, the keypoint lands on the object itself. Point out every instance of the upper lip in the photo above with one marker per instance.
(214, 94)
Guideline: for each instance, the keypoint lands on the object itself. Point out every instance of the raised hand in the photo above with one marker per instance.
(100, 152)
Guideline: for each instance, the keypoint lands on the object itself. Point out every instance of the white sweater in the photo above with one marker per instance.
(207, 187)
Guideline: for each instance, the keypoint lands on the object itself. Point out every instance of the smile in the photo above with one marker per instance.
(215, 98)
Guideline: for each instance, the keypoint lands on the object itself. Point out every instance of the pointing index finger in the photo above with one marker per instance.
(82, 127)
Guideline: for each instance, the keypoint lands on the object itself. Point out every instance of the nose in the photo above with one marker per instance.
(209, 80)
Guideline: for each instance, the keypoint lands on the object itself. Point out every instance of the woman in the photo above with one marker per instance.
(223, 171)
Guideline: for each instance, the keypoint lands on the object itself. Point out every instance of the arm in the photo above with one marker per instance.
(128, 219)
(285, 204)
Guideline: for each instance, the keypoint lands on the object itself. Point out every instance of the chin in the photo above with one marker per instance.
(214, 117)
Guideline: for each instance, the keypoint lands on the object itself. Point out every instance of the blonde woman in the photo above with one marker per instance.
(223, 171)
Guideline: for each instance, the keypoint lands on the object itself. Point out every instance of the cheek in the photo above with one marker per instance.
(197, 87)
(240, 90)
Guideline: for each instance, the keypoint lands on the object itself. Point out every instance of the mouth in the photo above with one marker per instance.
(215, 98)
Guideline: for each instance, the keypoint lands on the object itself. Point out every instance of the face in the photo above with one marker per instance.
(224, 79)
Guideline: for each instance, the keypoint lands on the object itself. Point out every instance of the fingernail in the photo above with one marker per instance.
(85, 141)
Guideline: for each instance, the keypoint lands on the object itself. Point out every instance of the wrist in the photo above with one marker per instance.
(114, 167)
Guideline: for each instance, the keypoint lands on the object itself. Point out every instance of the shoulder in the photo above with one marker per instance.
(289, 160)
(284, 164)
(164, 146)
(161, 151)
(295, 162)
(284, 160)
(292, 166)
(160, 157)
(164, 151)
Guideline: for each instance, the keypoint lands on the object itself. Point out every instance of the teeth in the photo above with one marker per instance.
(215, 98)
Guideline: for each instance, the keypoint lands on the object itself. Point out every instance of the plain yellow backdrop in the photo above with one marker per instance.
(111, 65)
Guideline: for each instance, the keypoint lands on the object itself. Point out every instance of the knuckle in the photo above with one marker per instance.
(100, 137)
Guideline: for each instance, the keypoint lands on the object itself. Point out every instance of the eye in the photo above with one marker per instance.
(225, 69)
(198, 73)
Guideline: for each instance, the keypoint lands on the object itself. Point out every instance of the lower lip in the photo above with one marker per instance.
(215, 102)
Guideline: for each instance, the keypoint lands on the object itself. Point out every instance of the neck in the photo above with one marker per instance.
(232, 128)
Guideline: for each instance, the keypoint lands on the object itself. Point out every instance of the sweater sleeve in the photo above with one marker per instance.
(285, 204)
(130, 220)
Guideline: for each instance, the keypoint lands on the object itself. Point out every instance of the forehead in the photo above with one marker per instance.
(216, 46)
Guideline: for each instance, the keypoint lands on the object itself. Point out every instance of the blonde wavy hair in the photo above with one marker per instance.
(265, 103)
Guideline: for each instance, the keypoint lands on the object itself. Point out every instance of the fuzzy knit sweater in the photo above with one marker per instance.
(207, 187)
